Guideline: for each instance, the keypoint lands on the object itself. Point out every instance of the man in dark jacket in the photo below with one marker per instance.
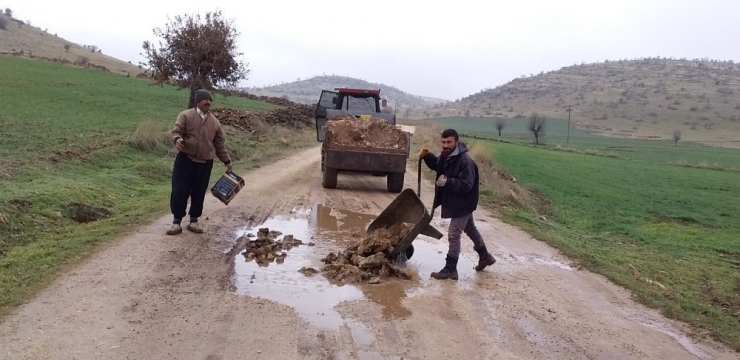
(457, 192)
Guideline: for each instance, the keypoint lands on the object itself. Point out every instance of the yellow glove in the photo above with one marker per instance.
(423, 152)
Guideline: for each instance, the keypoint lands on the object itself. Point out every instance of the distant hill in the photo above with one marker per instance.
(22, 40)
(307, 91)
(644, 98)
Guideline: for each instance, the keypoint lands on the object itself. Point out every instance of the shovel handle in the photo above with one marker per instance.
(418, 180)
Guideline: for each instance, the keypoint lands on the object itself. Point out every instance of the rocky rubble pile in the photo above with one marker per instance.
(374, 132)
(367, 260)
(265, 249)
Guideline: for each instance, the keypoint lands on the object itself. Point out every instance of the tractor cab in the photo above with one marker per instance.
(344, 102)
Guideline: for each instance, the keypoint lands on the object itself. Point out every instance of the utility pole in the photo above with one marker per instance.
(569, 109)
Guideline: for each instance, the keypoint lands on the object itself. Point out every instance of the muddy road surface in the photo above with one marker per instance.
(152, 296)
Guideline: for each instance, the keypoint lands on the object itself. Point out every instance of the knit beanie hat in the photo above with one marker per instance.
(202, 94)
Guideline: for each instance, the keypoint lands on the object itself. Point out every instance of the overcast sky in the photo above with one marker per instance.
(446, 49)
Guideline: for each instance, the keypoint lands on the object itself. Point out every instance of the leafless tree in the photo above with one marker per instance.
(500, 124)
(537, 126)
(196, 54)
(676, 136)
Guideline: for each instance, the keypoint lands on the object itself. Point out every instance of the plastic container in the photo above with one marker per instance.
(226, 188)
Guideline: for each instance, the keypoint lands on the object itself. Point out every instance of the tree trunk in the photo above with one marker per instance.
(499, 132)
(191, 100)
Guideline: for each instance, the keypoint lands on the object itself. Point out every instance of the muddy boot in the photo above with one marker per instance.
(449, 271)
(193, 226)
(484, 258)
(174, 229)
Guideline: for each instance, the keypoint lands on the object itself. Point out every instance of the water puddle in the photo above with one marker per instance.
(314, 297)
(682, 340)
(330, 219)
(539, 260)
(430, 257)
(389, 297)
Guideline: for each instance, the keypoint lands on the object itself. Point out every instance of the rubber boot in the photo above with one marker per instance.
(449, 271)
(484, 258)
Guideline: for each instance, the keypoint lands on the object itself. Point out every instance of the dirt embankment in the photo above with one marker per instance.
(373, 132)
(295, 116)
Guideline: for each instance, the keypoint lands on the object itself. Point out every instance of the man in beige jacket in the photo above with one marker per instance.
(199, 138)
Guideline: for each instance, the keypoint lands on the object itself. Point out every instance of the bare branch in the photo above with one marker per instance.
(537, 127)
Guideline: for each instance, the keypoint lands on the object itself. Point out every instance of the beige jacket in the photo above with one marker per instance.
(203, 139)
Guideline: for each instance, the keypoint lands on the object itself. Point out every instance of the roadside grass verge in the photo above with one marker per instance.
(85, 157)
(668, 233)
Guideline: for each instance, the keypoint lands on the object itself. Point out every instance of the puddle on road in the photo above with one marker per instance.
(430, 257)
(314, 297)
(682, 340)
(539, 260)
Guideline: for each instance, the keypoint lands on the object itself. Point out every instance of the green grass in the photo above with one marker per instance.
(71, 135)
(638, 220)
(650, 151)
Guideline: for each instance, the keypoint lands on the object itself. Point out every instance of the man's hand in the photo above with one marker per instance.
(229, 166)
(179, 145)
(442, 181)
(423, 152)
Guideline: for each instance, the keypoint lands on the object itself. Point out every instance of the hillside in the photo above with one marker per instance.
(22, 40)
(646, 98)
(307, 91)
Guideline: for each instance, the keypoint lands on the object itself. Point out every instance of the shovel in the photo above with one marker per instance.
(418, 184)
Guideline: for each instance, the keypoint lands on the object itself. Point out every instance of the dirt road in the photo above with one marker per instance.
(151, 296)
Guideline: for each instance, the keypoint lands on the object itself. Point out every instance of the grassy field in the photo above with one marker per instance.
(556, 137)
(77, 143)
(668, 233)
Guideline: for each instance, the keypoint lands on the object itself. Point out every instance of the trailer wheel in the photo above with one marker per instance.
(394, 182)
(330, 178)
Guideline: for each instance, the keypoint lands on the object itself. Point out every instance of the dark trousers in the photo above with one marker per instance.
(459, 225)
(189, 180)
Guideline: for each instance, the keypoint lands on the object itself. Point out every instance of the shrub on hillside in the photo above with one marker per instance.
(82, 61)
(149, 137)
(3, 24)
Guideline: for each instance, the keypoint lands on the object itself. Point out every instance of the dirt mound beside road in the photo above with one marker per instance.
(296, 116)
(369, 260)
(374, 132)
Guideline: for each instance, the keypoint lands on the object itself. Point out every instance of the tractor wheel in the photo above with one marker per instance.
(394, 182)
(330, 178)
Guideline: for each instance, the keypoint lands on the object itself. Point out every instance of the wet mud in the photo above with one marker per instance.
(370, 260)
